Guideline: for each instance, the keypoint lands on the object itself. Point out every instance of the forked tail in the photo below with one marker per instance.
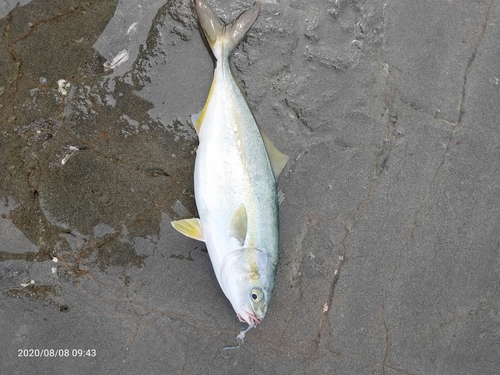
(223, 39)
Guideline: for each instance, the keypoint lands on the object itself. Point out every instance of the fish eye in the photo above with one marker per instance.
(256, 295)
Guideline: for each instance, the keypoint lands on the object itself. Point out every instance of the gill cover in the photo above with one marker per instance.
(242, 282)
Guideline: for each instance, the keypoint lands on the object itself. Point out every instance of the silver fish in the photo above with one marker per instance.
(235, 180)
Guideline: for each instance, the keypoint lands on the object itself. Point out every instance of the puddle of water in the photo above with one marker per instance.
(96, 160)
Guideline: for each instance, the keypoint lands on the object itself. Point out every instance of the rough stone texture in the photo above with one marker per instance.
(390, 250)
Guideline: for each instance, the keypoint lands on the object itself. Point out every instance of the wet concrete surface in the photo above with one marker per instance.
(389, 260)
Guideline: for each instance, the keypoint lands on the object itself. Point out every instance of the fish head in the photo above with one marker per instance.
(246, 283)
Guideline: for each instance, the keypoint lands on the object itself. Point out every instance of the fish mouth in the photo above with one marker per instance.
(247, 317)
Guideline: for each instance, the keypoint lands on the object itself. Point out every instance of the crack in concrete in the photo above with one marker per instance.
(342, 257)
(132, 339)
(413, 226)
(380, 162)
(325, 319)
(297, 283)
(469, 63)
(298, 115)
(42, 22)
(136, 312)
(14, 56)
(421, 110)
(398, 369)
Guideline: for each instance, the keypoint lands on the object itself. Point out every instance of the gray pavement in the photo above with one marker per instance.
(390, 228)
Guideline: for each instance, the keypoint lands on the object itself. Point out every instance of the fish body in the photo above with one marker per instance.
(235, 180)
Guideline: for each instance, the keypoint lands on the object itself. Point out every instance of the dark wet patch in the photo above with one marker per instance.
(47, 294)
(119, 254)
(88, 153)
(182, 257)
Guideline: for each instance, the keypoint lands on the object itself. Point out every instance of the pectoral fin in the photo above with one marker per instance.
(190, 227)
(238, 225)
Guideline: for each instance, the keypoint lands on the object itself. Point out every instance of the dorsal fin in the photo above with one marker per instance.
(276, 157)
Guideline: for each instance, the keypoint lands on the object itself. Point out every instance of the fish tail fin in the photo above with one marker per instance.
(223, 39)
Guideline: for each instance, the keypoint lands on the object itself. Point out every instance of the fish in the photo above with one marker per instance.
(235, 180)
